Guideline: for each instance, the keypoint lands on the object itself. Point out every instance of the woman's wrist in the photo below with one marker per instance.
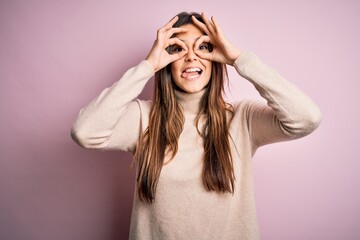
(235, 56)
(151, 62)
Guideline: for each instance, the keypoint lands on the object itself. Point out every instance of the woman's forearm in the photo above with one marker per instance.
(96, 122)
(297, 115)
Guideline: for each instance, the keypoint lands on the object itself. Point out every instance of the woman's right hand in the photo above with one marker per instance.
(158, 56)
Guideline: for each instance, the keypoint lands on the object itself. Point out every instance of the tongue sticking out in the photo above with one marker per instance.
(190, 74)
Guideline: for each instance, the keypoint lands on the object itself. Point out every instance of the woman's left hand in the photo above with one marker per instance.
(223, 50)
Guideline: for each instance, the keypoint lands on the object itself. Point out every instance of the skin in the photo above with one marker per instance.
(192, 52)
(191, 60)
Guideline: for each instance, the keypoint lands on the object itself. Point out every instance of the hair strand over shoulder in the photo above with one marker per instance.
(166, 120)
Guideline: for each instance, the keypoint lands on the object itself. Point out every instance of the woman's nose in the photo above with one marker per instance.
(190, 55)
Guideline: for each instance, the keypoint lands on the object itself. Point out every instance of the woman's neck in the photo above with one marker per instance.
(190, 101)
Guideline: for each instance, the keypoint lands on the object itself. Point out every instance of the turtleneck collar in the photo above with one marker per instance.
(190, 101)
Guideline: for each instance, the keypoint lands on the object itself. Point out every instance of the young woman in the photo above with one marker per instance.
(192, 150)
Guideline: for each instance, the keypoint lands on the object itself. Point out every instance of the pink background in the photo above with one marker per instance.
(57, 56)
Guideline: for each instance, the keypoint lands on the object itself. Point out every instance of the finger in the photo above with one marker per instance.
(200, 25)
(208, 23)
(168, 27)
(205, 55)
(173, 31)
(169, 24)
(216, 25)
(173, 41)
(177, 56)
(200, 40)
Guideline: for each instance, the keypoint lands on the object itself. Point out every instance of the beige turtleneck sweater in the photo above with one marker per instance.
(183, 209)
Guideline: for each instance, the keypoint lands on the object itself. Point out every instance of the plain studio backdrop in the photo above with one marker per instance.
(56, 56)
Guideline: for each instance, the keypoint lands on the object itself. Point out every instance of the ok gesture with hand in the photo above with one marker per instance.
(158, 56)
(223, 51)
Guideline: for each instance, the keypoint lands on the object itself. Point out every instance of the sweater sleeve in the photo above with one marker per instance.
(113, 119)
(289, 113)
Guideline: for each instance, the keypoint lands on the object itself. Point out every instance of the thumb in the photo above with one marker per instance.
(174, 57)
(204, 55)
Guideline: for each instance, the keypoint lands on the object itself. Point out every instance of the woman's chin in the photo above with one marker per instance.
(192, 90)
(192, 86)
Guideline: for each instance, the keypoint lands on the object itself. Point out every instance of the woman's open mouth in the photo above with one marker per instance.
(191, 73)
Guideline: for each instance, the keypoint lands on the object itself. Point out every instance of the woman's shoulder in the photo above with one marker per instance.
(144, 105)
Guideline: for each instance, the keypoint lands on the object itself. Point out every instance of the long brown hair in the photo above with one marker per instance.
(166, 122)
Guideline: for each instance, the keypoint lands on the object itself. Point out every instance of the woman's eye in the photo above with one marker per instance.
(177, 49)
(174, 49)
(204, 47)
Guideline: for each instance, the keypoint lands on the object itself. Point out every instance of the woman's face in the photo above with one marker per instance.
(191, 73)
